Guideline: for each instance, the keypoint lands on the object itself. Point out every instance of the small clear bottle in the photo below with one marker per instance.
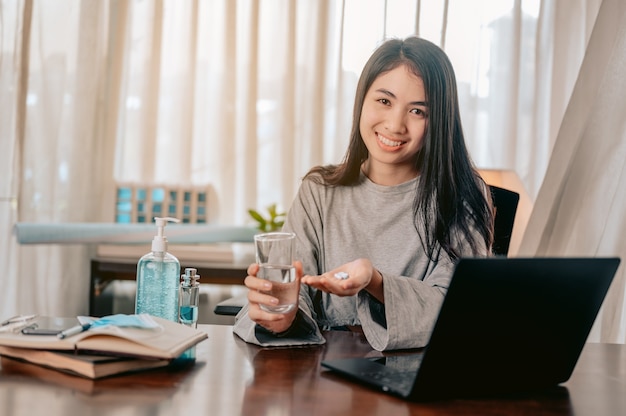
(188, 297)
(157, 278)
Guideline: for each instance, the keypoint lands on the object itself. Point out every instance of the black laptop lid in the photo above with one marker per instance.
(507, 325)
(510, 324)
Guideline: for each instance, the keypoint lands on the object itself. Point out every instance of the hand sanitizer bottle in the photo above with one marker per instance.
(157, 278)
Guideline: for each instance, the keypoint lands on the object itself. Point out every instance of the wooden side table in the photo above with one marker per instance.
(105, 270)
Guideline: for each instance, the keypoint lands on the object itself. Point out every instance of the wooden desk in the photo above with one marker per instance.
(105, 270)
(234, 378)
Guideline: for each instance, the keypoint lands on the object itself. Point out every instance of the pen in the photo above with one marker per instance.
(73, 331)
(16, 323)
(18, 318)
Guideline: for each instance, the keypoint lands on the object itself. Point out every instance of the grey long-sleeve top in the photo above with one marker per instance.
(336, 225)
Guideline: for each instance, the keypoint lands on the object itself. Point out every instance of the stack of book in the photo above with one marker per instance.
(102, 352)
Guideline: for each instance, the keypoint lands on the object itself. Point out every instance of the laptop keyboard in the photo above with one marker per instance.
(398, 373)
(401, 381)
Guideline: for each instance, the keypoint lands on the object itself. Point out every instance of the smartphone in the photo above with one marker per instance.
(47, 325)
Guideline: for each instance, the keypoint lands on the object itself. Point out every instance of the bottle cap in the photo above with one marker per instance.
(190, 278)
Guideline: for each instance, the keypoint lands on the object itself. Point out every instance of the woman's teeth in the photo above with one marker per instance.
(388, 142)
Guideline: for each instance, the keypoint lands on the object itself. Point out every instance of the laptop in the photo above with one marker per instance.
(507, 325)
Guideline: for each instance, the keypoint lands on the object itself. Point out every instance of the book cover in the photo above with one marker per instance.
(166, 342)
(157, 385)
(85, 365)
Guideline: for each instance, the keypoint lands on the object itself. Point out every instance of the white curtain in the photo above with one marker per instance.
(244, 96)
(581, 207)
(55, 156)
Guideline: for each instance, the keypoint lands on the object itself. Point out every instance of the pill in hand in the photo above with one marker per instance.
(341, 275)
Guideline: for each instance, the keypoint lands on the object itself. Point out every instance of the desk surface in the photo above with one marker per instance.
(234, 378)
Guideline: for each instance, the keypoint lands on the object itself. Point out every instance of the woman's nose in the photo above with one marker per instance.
(396, 121)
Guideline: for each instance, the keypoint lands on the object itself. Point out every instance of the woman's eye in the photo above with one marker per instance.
(418, 111)
(384, 101)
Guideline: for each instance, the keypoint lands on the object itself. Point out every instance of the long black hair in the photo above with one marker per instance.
(452, 200)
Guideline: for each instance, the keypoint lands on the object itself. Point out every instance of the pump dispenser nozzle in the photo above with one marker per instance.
(159, 242)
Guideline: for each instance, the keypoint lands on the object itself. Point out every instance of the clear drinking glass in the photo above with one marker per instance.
(274, 254)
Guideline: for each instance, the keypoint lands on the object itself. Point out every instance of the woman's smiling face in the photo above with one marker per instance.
(393, 121)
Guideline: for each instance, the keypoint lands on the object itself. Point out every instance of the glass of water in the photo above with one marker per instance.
(274, 254)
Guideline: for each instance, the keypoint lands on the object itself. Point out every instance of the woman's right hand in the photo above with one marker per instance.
(274, 322)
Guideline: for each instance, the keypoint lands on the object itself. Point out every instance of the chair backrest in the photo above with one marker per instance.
(505, 203)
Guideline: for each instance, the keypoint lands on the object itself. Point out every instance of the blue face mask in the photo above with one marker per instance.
(121, 320)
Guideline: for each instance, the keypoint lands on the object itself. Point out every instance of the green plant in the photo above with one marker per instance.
(273, 222)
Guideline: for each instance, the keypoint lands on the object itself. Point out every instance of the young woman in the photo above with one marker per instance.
(394, 216)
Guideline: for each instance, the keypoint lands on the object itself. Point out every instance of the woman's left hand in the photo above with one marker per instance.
(360, 273)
